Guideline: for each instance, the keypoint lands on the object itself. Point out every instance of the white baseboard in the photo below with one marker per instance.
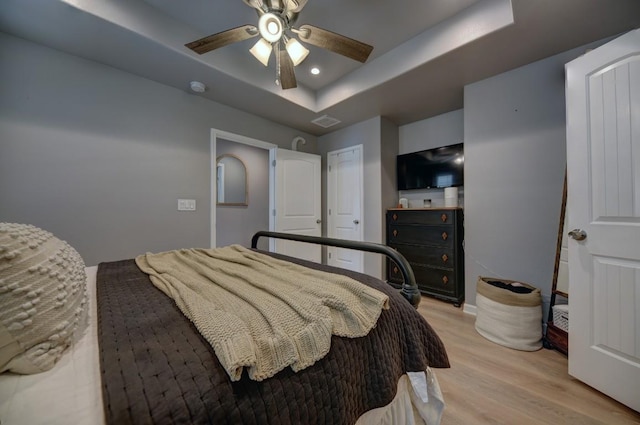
(470, 309)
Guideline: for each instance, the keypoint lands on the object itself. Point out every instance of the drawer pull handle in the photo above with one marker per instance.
(445, 279)
(445, 258)
(395, 232)
(395, 217)
(444, 236)
(444, 218)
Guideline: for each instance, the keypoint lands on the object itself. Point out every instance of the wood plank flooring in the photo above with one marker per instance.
(491, 384)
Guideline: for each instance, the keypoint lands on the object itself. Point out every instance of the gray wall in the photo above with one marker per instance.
(441, 130)
(388, 153)
(99, 157)
(237, 224)
(515, 159)
(370, 134)
(389, 178)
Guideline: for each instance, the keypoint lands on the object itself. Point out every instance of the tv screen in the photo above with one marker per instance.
(433, 168)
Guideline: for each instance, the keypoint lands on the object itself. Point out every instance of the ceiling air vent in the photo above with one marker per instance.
(326, 121)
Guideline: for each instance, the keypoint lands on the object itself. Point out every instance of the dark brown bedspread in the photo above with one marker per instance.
(156, 368)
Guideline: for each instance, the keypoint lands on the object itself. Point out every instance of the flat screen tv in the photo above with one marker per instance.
(432, 168)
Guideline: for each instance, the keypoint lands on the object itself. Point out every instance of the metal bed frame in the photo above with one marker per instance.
(409, 288)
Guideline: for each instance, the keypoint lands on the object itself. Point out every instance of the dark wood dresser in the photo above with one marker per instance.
(431, 239)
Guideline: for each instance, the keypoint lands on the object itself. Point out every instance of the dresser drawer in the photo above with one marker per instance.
(429, 280)
(421, 216)
(393, 272)
(421, 235)
(437, 256)
(435, 281)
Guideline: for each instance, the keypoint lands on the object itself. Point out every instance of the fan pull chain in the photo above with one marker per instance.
(277, 51)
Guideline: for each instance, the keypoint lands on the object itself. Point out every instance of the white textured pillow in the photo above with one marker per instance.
(43, 298)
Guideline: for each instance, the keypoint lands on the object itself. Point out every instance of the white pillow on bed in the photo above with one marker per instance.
(43, 298)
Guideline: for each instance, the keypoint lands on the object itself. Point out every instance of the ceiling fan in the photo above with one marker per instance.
(275, 27)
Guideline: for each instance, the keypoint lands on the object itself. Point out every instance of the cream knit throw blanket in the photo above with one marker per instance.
(259, 312)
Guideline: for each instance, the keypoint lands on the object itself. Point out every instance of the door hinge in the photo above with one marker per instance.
(273, 163)
(274, 212)
(329, 167)
(329, 255)
(329, 211)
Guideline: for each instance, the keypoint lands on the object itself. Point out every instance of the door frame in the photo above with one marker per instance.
(236, 138)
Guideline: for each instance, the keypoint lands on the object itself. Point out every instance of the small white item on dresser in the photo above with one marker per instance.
(450, 196)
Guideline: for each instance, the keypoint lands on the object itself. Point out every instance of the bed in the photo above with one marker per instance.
(142, 361)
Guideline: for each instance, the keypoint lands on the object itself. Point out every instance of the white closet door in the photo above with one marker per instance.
(344, 199)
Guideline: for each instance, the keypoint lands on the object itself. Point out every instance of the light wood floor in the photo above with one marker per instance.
(491, 384)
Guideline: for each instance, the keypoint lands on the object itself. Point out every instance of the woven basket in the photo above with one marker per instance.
(508, 318)
(561, 316)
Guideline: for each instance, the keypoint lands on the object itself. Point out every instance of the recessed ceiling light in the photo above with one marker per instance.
(197, 86)
(315, 70)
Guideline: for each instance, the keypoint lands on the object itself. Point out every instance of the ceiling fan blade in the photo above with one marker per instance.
(337, 43)
(223, 38)
(287, 74)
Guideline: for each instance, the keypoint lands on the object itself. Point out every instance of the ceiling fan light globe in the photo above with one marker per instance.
(297, 52)
(261, 51)
(271, 27)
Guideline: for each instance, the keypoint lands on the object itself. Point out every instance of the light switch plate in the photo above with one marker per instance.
(186, 204)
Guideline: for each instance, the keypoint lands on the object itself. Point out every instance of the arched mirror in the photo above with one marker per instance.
(231, 181)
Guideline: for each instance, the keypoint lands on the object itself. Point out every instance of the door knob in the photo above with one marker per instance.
(578, 234)
(318, 221)
(356, 221)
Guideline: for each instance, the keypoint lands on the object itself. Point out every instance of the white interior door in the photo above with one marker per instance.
(297, 202)
(344, 205)
(603, 150)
